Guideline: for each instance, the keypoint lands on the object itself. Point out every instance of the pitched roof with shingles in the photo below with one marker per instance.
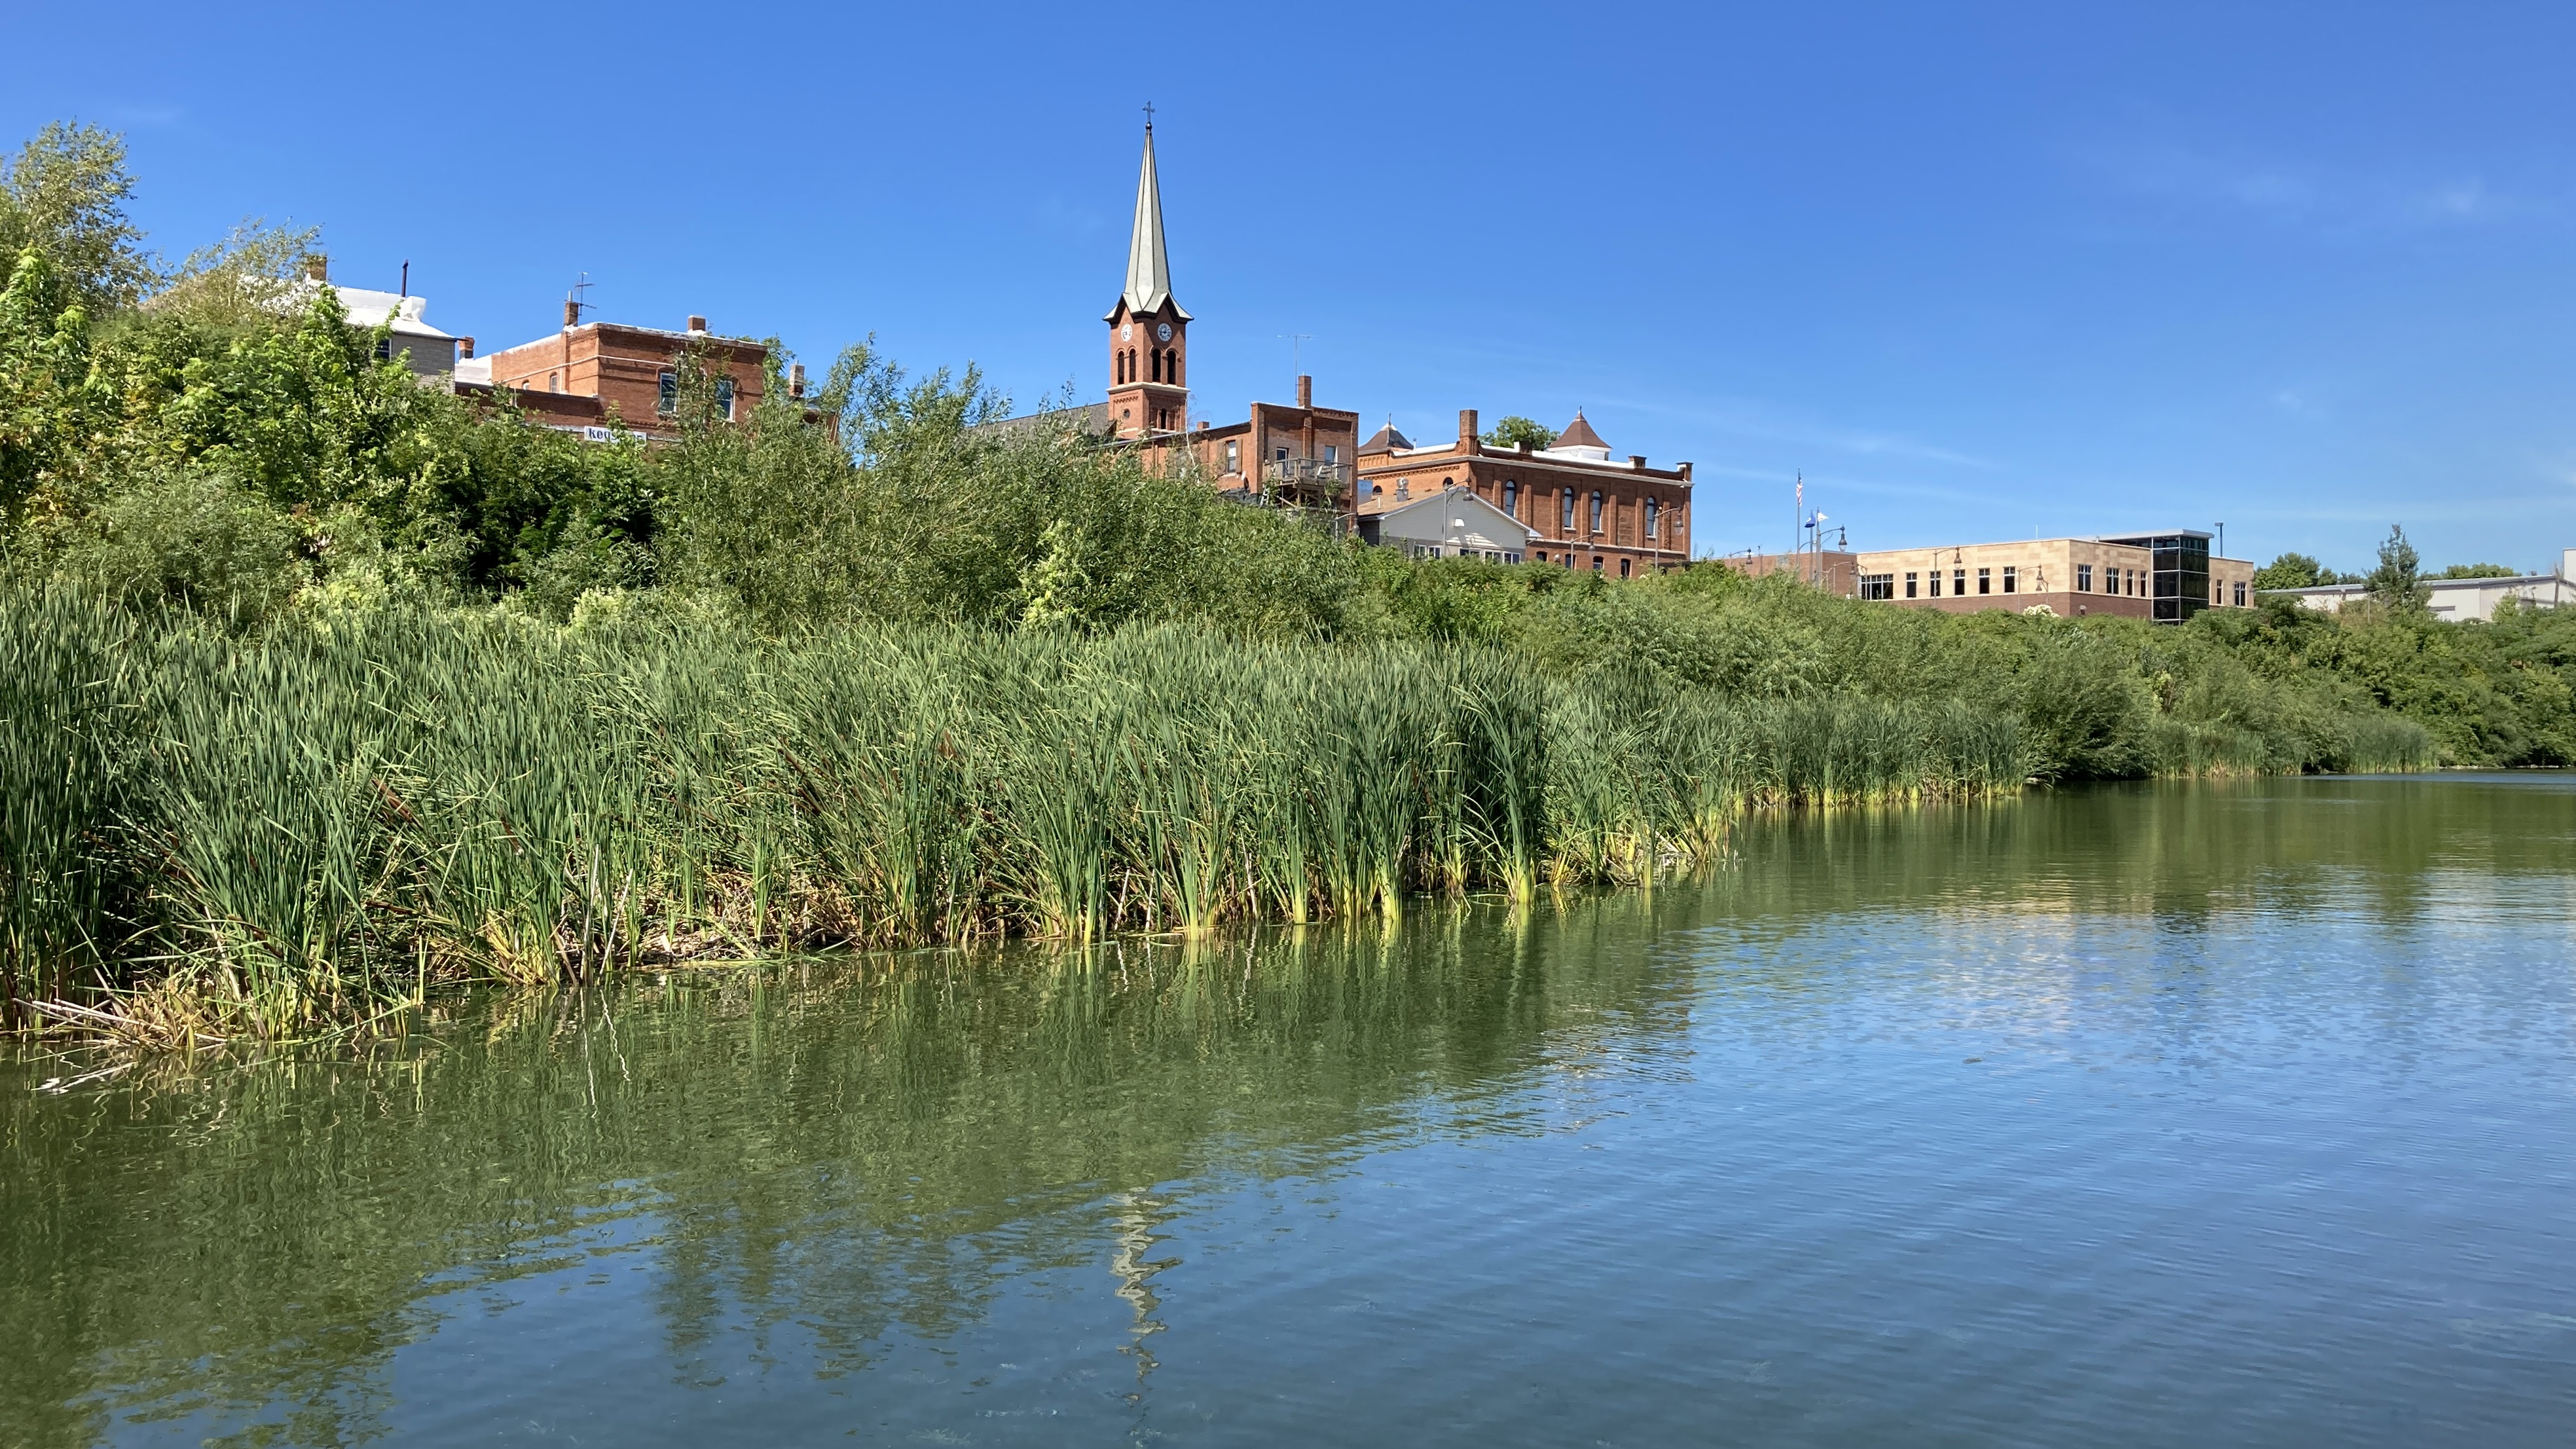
(1386, 440)
(1579, 434)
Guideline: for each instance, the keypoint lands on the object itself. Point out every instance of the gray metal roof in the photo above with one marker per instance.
(1149, 264)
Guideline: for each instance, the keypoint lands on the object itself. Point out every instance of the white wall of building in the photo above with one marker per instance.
(2462, 599)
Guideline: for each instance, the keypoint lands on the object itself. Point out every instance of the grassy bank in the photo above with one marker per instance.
(274, 833)
(319, 686)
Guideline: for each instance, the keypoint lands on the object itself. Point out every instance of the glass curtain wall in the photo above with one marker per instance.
(2179, 575)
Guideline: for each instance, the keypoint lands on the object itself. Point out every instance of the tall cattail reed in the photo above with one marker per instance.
(299, 830)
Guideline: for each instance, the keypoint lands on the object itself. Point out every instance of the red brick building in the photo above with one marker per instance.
(1149, 334)
(1298, 454)
(592, 374)
(1588, 512)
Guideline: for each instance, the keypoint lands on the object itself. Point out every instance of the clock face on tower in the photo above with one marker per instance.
(1163, 332)
(1127, 333)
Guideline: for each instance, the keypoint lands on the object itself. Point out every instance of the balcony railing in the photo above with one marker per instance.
(1306, 473)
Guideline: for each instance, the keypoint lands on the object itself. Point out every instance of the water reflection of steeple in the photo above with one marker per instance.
(1139, 1216)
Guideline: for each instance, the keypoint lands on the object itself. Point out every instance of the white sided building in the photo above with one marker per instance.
(1453, 523)
(429, 353)
(2460, 599)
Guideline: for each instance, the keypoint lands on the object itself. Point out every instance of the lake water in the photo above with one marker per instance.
(2173, 1115)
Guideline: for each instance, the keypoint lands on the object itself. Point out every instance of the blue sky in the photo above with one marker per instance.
(1978, 271)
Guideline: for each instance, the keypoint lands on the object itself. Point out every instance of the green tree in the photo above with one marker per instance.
(2478, 571)
(1518, 429)
(2397, 582)
(65, 192)
(47, 409)
(2292, 571)
(245, 278)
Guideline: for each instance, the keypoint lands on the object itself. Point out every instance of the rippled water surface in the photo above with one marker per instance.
(2177, 1115)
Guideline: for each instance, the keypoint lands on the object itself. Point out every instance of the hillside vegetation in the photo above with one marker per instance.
(320, 684)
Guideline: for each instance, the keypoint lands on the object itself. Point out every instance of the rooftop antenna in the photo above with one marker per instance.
(1297, 351)
(574, 297)
(406, 280)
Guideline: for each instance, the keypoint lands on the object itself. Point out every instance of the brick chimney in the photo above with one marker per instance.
(697, 324)
(572, 314)
(1637, 461)
(1305, 391)
(1467, 430)
(465, 347)
(317, 268)
(1685, 471)
(796, 380)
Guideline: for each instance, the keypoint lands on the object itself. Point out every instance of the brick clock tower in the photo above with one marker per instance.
(1148, 332)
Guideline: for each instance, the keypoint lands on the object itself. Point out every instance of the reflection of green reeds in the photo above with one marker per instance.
(316, 819)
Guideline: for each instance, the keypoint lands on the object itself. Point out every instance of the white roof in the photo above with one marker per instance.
(1455, 510)
(370, 309)
(474, 369)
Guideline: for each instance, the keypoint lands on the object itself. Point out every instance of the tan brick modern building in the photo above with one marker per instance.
(2167, 576)
(1587, 512)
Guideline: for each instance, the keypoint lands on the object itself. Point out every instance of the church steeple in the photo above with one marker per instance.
(1149, 264)
(1148, 342)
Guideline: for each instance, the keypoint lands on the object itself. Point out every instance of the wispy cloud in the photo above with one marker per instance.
(1745, 418)
(1824, 483)
(2287, 192)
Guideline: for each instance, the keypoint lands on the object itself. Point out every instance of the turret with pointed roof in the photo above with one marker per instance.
(1579, 435)
(1386, 440)
(1148, 331)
